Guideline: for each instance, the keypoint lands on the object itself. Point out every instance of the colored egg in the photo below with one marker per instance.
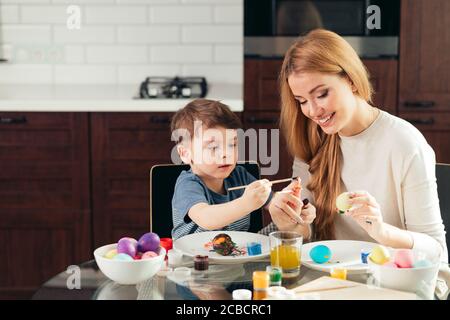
(320, 254)
(379, 255)
(123, 257)
(342, 202)
(149, 242)
(404, 258)
(111, 254)
(149, 254)
(390, 264)
(133, 240)
(138, 256)
(422, 264)
(127, 246)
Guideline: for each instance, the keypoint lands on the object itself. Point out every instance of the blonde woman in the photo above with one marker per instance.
(341, 142)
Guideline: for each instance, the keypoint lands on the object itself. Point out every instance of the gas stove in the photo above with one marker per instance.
(173, 88)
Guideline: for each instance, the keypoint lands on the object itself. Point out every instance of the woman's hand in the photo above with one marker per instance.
(287, 209)
(367, 213)
(308, 214)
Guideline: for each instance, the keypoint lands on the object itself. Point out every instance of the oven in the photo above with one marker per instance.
(370, 26)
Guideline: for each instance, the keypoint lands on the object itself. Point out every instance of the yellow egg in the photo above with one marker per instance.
(380, 255)
(111, 254)
(342, 203)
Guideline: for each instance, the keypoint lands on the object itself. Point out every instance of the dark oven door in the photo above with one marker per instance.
(297, 17)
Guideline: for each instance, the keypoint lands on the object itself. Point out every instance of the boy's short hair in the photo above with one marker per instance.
(210, 112)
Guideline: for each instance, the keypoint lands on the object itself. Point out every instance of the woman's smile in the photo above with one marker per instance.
(326, 121)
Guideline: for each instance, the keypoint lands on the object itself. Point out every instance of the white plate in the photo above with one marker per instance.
(194, 244)
(344, 253)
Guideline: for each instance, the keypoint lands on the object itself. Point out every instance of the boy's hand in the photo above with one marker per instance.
(256, 194)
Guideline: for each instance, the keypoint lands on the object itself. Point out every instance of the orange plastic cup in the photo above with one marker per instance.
(339, 273)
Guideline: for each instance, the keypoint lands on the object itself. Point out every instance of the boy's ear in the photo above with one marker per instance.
(184, 153)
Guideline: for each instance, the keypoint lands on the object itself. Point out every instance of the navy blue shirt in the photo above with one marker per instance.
(190, 190)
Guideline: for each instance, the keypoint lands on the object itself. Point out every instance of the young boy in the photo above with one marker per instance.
(206, 137)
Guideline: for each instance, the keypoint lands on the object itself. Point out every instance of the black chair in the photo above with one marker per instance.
(443, 187)
(162, 184)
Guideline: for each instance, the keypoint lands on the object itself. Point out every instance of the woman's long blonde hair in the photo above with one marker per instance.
(324, 52)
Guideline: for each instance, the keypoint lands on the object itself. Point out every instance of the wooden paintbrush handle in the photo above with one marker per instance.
(273, 182)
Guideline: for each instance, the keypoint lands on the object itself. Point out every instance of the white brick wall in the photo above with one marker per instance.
(9, 14)
(43, 14)
(211, 34)
(228, 53)
(229, 14)
(26, 74)
(180, 15)
(182, 54)
(116, 15)
(121, 41)
(153, 35)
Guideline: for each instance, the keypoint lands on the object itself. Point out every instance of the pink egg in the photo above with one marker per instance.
(149, 254)
(404, 258)
(390, 264)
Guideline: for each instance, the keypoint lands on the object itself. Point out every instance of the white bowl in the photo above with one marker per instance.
(421, 281)
(128, 272)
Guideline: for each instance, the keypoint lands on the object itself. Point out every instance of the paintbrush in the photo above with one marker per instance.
(273, 182)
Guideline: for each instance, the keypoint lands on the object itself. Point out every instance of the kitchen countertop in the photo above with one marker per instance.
(103, 98)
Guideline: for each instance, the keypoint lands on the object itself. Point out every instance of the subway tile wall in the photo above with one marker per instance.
(120, 41)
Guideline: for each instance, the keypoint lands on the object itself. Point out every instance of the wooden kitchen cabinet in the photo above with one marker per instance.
(424, 72)
(44, 198)
(262, 93)
(425, 59)
(261, 84)
(383, 77)
(124, 148)
(436, 129)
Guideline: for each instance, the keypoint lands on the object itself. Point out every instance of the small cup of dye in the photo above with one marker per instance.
(242, 294)
(174, 257)
(339, 273)
(275, 275)
(201, 263)
(365, 255)
(254, 248)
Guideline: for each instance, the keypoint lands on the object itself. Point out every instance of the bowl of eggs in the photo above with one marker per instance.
(131, 261)
(404, 269)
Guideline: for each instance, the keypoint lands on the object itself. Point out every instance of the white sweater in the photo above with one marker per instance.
(393, 162)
